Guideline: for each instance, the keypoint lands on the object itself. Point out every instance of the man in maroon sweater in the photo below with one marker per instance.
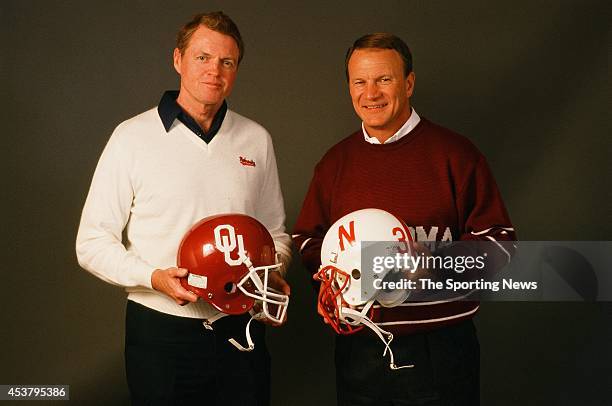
(441, 186)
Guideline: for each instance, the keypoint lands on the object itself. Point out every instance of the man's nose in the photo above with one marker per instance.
(213, 67)
(372, 91)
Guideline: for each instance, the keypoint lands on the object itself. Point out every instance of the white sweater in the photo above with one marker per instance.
(157, 185)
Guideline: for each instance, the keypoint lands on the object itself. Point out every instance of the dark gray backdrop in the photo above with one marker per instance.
(526, 81)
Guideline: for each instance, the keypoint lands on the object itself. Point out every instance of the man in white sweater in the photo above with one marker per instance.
(161, 172)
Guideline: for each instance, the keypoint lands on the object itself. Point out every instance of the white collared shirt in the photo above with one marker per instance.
(408, 126)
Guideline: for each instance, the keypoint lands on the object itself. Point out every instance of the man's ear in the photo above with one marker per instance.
(410, 84)
(176, 57)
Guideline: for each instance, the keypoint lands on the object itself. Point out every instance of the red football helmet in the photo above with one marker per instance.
(229, 258)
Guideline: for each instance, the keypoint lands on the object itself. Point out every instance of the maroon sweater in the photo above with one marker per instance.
(434, 179)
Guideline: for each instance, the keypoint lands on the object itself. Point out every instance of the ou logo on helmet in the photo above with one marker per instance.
(226, 241)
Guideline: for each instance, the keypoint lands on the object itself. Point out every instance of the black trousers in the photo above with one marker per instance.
(175, 361)
(446, 369)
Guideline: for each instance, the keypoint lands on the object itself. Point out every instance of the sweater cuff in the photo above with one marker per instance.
(285, 257)
(142, 274)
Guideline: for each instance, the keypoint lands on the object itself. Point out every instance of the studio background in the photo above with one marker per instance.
(526, 81)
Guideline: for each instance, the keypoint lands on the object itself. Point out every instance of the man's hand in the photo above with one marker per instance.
(422, 251)
(322, 313)
(168, 282)
(320, 309)
(276, 282)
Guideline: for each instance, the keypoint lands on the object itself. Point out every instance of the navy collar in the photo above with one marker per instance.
(169, 110)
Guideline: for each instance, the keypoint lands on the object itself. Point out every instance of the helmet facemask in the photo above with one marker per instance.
(255, 284)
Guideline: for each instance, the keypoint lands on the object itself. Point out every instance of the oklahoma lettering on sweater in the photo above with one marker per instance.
(158, 184)
(434, 179)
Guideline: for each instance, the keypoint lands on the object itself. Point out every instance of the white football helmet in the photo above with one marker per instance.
(344, 299)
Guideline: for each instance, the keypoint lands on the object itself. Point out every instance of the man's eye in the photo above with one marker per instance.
(202, 58)
(358, 82)
(228, 64)
(385, 80)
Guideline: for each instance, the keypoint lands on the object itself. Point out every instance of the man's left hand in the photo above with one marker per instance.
(275, 281)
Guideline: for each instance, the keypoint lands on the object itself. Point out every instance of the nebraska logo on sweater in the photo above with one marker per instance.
(246, 162)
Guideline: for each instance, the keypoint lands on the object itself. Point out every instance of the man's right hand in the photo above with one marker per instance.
(322, 313)
(168, 282)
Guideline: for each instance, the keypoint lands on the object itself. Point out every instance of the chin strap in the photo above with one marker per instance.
(360, 317)
(250, 343)
(208, 325)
